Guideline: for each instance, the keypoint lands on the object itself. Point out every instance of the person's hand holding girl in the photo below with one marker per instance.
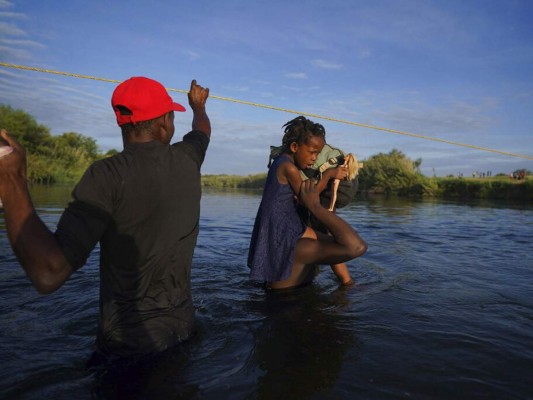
(309, 195)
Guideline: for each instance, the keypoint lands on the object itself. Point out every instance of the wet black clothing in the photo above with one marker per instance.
(142, 206)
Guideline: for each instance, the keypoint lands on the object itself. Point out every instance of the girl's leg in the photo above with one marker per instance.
(342, 273)
(300, 274)
(311, 233)
(340, 270)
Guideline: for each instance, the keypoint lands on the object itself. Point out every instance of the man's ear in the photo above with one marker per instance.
(167, 127)
(169, 117)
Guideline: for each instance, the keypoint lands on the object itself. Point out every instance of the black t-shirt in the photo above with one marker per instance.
(143, 207)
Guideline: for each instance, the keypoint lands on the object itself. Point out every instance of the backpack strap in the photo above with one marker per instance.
(332, 162)
(274, 152)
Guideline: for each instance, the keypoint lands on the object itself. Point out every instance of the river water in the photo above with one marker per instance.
(442, 309)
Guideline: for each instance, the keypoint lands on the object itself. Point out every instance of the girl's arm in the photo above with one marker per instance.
(289, 173)
(332, 173)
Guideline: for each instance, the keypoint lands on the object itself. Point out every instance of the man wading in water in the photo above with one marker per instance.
(142, 205)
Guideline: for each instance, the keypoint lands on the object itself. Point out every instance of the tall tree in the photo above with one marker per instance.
(51, 159)
(390, 172)
(23, 127)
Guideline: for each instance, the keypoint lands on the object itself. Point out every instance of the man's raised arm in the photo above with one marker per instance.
(197, 99)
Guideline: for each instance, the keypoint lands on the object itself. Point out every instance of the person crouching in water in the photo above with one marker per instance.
(284, 251)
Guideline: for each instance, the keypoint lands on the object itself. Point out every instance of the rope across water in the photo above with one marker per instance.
(248, 103)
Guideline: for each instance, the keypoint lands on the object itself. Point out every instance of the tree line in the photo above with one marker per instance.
(51, 158)
(62, 159)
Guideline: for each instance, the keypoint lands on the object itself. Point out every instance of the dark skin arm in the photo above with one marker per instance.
(332, 173)
(289, 173)
(197, 99)
(346, 244)
(34, 245)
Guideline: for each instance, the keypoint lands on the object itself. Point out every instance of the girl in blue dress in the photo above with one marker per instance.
(283, 250)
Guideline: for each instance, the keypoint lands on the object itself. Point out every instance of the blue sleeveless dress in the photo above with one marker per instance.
(276, 230)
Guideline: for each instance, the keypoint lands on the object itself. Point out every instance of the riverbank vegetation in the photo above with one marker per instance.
(500, 187)
(62, 159)
(51, 158)
(394, 174)
(256, 181)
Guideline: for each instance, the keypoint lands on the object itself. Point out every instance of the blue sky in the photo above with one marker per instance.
(456, 70)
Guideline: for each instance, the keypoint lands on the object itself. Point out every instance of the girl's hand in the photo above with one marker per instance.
(340, 172)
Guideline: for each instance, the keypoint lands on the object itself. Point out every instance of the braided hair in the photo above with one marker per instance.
(300, 130)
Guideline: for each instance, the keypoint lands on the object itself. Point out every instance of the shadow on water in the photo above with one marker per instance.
(301, 345)
(155, 377)
(287, 344)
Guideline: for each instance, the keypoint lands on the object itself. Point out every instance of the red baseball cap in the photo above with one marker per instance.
(141, 99)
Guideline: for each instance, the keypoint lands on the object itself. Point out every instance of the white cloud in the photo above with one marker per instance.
(192, 55)
(14, 53)
(323, 64)
(453, 120)
(5, 4)
(10, 29)
(13, 15)
(296, 75)
(364, 54)
(18, 42)
(262, 82)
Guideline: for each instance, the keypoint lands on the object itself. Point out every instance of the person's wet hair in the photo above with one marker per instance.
(300, 130)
